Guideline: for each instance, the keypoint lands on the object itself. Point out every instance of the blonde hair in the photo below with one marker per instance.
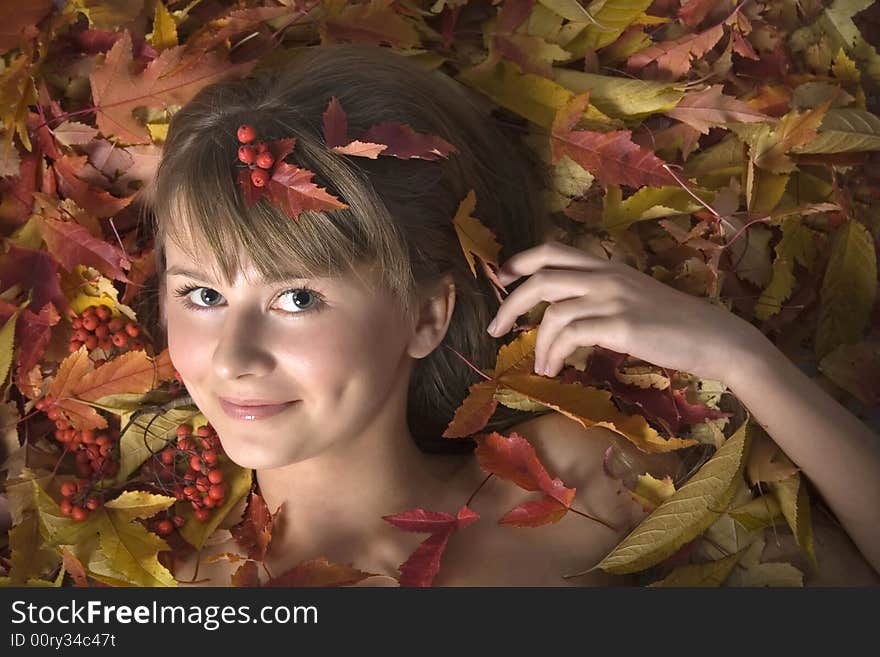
(400, 212)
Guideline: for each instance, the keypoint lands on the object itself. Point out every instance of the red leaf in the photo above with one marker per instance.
(292, 189)
(610, 156)
(73, 245)
(98, 202)
(335, 124)
(540, 512)
(74, 568)
(36, 271)
(424, 563)
(254, 532)
(406, 143)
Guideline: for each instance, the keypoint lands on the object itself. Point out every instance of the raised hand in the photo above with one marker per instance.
(598, 302)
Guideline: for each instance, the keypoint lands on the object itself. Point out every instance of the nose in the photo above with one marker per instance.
(240, 351)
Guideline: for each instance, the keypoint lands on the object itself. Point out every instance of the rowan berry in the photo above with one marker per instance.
(167, 457)
(215, 476)
(69, 488)
(90, 322)
(102, 331)
(79, 513)
(93, 503)
(164, 527)
(132, 329)
(209, 502)
(217, 492)
(89, 312)
(246, 133)
(247, 154)
(66, 507)
(88, 436)
(106, 344)
(210, 456)
(202, 515)
(77, 323)
(259, 177)
(91, 342)
(195, 462)
(179, 521)
(103, 312)
(184, 430)
(115, 324)
(120, 338)
(265, 160)
(52, 413)
(262, 147)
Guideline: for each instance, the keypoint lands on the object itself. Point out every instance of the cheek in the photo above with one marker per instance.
(187, 345)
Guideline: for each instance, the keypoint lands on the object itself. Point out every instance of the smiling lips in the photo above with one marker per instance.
(252, 409)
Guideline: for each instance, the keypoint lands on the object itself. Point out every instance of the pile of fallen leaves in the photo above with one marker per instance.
(727, 149)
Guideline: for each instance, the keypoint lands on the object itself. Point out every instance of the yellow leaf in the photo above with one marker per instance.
(712, 573)
(132, 550)
(797, 245)
(29, 558)
(751, 572)
(164, 34)
(611, 20)
(641, 206)
(794, 501)
(570, 9)
(845, 130)
(849, 288)
(7, 343)
(513, 399)
(642, 376)
(856, 369)
(767, 462)
(475, 238)
(619, 97)
(758, 513)
(133, 504)
(531, 96)
(108, 14)
(685, 515)
(651, 492)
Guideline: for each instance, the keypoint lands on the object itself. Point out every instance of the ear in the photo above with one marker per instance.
(434, 315)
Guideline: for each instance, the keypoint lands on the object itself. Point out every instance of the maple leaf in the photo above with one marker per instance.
(405, 143)
(476, 240)
(76, 413)
(98, 202)
(172, 78)
(610, 156)
(335, 122)
(131, 372)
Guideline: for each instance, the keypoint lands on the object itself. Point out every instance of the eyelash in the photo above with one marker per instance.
(184, 291)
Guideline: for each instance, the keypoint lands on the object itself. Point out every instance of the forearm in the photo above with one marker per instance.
(838, 453)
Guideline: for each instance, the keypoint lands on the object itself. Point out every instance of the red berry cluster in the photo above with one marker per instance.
(191, 469)
(255, 154)
(165, 525)
(93, 451)
(78, 501)
(98, 328)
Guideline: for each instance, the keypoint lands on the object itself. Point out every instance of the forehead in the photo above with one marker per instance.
(197, 261)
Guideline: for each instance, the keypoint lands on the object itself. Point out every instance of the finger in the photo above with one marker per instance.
(560, 314)
(549, 254)
(547, 285)
(608, 332)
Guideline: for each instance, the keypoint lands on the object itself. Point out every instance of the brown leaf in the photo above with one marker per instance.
(320, 572)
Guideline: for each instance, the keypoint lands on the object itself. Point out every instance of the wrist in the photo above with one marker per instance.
(751, 357)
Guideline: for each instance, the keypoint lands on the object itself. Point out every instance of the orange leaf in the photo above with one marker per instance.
(132, 372)
(70, 373)
(475, 238)
(474, 412)
(374, 22)
(74, 567)
(172, 78)
(534, 514)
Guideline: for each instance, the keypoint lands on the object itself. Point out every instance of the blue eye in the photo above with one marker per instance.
(295, 301)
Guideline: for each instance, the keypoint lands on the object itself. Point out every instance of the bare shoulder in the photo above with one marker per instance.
(539, 556)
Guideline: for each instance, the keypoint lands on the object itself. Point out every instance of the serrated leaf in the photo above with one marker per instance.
(133, 504)
(132, 550)
(849, 288)
(621, 98)
(149, 434)
(713, 573)
(794, 502)
(845, 130)
(797, 245)
(685, 515)
(758, 513)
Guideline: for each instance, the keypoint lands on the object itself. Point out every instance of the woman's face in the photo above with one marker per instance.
(333, 351)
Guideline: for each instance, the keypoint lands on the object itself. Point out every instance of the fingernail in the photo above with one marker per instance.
(492, 326)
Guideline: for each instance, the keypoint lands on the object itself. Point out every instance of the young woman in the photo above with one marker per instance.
(317, 346)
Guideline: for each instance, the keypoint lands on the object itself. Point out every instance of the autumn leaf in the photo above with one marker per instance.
(767, 462)
(476, 240)
(687, 513)
(651, 492)
(254, 532)
(374, 22)
(610, 156)
(673, 58)
(794, 501)
(710, 107)
(73, 245)
(319, 572)
(712, 573)
(423, 564)
(71, 372)
(245, 575)
(170, 79)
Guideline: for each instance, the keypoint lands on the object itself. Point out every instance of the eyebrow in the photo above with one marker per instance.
(203, 276)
